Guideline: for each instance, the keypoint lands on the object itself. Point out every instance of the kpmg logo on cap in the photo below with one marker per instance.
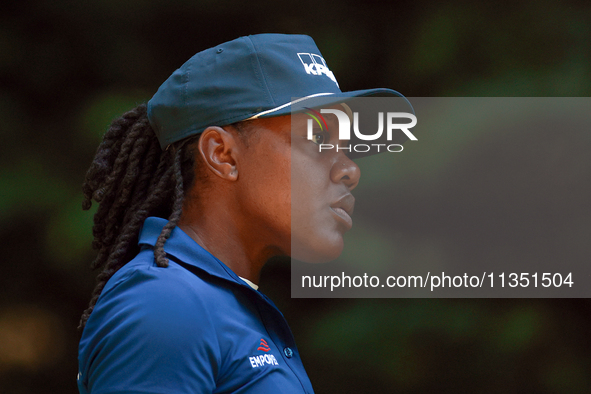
(315, 65)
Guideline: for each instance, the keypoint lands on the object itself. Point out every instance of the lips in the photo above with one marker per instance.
(344, 209)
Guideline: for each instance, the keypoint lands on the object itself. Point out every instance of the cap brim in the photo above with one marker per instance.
(299, 104)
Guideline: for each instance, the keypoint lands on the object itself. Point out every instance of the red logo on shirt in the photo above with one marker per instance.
(264, 346)
(263, 359)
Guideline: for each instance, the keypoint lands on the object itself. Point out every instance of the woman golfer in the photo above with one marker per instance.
(195, 194)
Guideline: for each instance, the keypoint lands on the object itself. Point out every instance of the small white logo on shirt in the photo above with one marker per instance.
(259, 361)
(315, 65)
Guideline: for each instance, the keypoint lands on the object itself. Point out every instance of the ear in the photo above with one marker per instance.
(218, 148)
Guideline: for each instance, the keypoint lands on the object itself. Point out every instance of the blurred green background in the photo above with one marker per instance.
(67, 68)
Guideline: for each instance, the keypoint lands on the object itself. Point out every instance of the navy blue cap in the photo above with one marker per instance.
(247, 78)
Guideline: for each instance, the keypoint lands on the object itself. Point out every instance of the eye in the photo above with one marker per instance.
(320, 137)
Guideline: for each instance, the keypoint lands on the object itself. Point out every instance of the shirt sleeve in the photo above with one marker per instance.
(150, 333)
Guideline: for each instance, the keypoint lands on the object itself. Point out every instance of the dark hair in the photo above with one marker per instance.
(132, 178)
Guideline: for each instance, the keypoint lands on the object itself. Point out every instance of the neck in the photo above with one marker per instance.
(232, 241)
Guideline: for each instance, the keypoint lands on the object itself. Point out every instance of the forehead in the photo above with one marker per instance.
(252, 131)
(275, 123)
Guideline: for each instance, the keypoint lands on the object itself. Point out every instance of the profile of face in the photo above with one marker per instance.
(298, 198)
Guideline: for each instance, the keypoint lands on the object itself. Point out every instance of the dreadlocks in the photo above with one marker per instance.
(131, 178)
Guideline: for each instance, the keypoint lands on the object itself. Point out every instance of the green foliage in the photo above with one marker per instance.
(69, 234)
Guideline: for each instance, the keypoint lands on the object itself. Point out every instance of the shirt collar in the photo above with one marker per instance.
(185, 249)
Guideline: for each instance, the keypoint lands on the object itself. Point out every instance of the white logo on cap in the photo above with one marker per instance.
(315, 65)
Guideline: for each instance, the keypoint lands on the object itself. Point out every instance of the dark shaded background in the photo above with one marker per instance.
(68, 67)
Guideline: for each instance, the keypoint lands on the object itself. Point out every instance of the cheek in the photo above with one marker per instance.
(306, 193)
(315, 235)
(267, 195)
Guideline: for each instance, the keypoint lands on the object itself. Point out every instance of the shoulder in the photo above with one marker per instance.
(141, 292)
(150, 325)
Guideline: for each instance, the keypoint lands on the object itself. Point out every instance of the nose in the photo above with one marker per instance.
(346, 171)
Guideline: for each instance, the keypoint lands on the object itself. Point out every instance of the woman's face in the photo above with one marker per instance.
(296, 198)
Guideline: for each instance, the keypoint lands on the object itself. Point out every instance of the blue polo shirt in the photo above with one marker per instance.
(193, 327)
